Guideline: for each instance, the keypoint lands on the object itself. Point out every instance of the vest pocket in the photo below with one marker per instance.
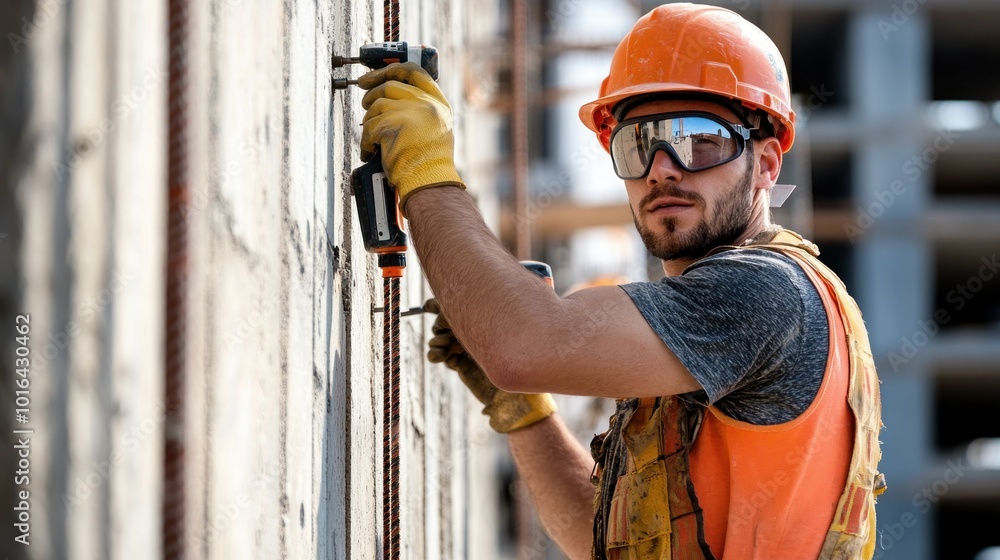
(639, 523)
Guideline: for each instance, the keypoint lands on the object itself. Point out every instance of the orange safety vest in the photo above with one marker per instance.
(679, 481)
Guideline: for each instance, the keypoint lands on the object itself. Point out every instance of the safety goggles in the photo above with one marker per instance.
(695, 140)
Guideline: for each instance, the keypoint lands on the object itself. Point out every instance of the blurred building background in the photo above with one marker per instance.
(897, 163)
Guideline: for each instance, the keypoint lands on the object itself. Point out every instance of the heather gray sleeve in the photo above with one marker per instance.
(749, 326)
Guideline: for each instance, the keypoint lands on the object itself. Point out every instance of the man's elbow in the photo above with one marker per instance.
(514, 372)
(520, 359)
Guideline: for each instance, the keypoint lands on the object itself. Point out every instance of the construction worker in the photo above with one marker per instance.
(748, 408)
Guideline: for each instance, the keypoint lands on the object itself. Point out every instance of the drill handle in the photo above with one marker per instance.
(378, 208)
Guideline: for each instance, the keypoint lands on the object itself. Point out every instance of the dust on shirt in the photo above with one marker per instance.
(750, 327)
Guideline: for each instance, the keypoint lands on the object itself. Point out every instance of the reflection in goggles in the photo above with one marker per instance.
(696, 141)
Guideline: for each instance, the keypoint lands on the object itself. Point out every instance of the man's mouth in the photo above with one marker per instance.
(671, 205)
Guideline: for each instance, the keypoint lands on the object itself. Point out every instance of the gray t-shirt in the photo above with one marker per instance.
(749, 326)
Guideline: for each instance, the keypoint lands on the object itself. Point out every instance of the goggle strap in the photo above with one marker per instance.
(743, 131)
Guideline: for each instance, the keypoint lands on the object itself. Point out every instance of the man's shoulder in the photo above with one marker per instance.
(747, 275)
(762, 265)
(749, 254)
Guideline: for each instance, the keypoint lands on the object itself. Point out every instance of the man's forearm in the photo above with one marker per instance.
(556, 469)
(486, 294)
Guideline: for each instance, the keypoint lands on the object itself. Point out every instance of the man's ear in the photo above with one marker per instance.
(768, 164)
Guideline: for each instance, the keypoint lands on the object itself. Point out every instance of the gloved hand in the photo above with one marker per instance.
(410, 119)
(507, 411)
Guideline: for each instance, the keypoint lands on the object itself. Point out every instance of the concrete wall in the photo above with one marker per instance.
(283, 402)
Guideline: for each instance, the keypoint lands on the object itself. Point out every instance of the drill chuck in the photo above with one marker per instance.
(380, 55)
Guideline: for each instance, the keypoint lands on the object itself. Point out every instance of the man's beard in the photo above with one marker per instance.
(732, 216)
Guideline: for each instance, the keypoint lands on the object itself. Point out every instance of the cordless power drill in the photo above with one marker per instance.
(377, 201)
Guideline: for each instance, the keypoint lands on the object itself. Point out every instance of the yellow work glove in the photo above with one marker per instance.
(507, 411)
(410, 119)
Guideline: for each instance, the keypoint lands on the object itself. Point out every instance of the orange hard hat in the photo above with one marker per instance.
(701, 50)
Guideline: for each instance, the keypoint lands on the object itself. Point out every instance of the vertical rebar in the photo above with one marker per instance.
(386, 20)
(527, 530)
(395, 413)
(394, 27)
(176, 283)
(390, 24)
(387, 443)
(390, 418)
(519, 127)
(391, 373)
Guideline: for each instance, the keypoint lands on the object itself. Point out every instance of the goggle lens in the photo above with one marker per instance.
(696, 141)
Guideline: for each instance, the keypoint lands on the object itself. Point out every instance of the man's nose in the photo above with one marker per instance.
(664, 168)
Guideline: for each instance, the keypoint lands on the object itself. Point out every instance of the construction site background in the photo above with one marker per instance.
(280, 414)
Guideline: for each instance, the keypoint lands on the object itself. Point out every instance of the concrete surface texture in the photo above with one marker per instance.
(283, 389)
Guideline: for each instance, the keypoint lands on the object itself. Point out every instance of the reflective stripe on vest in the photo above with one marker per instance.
(654, 513)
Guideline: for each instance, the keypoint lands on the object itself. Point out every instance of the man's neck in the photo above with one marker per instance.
(756, 228)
